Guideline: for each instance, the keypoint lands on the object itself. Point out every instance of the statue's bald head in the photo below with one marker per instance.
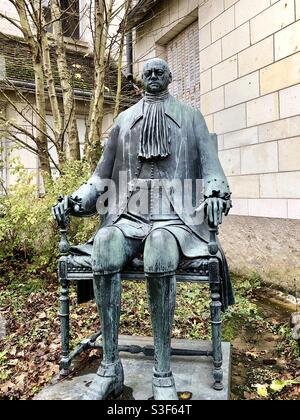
(156, 75)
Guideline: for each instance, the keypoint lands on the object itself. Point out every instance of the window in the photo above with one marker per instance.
(183, 59)
(70, 17)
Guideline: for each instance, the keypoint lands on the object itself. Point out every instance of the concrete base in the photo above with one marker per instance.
(192, 374)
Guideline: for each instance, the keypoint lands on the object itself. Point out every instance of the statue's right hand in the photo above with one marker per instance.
(61, 211)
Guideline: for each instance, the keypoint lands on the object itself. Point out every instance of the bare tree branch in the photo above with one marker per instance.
(13, 105)
(128, 4)
(3, 187)
(23, 143)
(41, 140)
(95, 121)
(19, 93)
(22, 130)
(12, 21)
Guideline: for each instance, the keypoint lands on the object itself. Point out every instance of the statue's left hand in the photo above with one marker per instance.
(215, 207)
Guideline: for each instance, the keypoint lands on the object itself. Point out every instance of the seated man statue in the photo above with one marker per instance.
(157, 139)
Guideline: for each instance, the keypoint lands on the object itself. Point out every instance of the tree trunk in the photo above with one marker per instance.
(66, 82)
(57, 118)
(128, 4)
(41, 138)
(103, 17)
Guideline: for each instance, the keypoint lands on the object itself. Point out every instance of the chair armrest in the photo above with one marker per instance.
(64, 246)
(213, 246)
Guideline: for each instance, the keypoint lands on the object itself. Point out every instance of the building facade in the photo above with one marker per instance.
(238, 61)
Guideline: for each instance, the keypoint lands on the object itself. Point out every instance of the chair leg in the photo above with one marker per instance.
(215, 307)
(64, 318)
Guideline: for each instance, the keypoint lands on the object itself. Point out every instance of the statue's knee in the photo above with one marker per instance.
(108, 251)
(161, 254)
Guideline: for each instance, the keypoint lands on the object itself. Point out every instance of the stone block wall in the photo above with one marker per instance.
(250, 85)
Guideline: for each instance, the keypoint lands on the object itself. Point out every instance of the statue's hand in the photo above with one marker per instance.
(214, 208)
(61, 211)
(64, 207)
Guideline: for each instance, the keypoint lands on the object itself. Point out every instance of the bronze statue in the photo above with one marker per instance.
(157, 140)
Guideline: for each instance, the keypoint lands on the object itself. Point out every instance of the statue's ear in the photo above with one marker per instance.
(171, 77)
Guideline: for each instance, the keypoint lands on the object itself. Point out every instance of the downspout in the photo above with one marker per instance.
(129, 56)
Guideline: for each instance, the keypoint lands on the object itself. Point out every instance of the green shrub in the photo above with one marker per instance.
(27, 229)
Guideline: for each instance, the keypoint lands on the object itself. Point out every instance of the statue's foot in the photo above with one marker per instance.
(163, 386)
(109, 381)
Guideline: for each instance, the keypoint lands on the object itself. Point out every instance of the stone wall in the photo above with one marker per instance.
(251, 98)
(264, 246)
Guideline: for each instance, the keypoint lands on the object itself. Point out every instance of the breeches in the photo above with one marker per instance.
(112, 251)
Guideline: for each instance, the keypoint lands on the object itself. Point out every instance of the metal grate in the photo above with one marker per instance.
(183, 59)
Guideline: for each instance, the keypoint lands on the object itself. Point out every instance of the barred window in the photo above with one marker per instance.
(183, 59)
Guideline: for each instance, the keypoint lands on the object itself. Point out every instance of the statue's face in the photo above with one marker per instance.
(156, 76)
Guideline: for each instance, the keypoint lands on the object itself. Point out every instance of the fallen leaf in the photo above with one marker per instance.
(6, 387)
(249, 395)
(278, 385)
(262, 390)
(252, 354)
(185, 395)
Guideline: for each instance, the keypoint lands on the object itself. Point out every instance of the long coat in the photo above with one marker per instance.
(193, 156)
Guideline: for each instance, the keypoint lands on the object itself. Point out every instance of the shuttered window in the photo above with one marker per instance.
(183, 59)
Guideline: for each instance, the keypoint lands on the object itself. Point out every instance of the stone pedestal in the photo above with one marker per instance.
(192, 374)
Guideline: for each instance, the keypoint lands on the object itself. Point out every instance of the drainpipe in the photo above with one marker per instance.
(129, 56)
